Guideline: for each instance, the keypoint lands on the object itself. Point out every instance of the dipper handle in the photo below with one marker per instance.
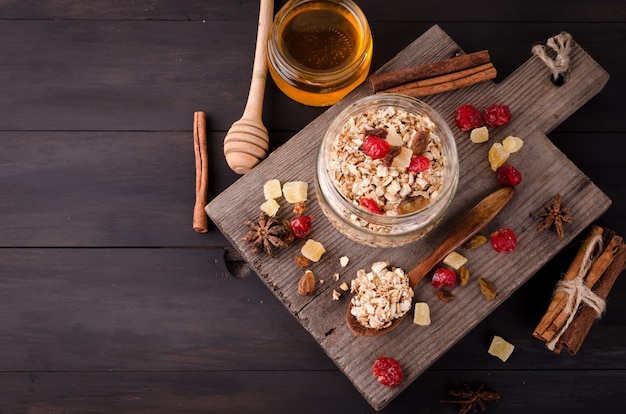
(247, 141)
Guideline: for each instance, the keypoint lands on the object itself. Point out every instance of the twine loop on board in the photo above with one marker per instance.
(559, 64)
(577, 292)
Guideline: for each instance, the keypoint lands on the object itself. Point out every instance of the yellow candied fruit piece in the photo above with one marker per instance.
(295, 191)
(501, 348)
(454, 260)
(393, 138)
(402, 160)
(497, 155)
(312, 250)
(512, 144)
(270, 207)
(421, 314)
(272, 189)
(478, 135)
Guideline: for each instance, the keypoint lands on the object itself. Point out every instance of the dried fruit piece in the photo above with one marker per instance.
(301, 226)
(508, 175)
(486, 288)
(500, 348)
(503, 240)
(420, 141)
(411, 204)
(444, 295)
(474, 242)
(497, 155)
(497, 115)
(295, 191)
(454, 260)
(270, 207)
(404, 158)
(388, 371)
(370, 205)
(306, 284)
(443, 276)
(479, 135)
(393, 138)
(375, 147)
(418, 164)
(312, 250)
(299, 208)
(302, 261)
(512, 144)
(272, 189)
(468, 117)
(421, 314)
(464, 275)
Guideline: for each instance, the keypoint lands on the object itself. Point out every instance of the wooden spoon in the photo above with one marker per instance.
(470, 224)
(247, 141)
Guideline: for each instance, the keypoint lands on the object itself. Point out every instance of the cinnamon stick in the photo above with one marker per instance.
(574, 336)
(380, 82)
(446, 83)
(200, 218)
(548, 325)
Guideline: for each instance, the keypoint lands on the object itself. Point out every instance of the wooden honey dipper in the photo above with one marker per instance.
(247, 141)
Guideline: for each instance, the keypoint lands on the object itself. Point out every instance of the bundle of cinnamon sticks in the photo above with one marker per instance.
(436, 77)
(579, 298)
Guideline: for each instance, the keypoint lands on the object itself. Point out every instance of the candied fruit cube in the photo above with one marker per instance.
(501, 348)
(421, 315)
(512, 144)
(312, 250)
(295, 191)
(270, 207)
(478, 135)
(272, 189)
(402, 160)
(454, 260)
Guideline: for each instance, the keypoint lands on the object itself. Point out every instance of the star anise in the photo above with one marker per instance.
(555, 216)
(267, 234)
(472, 400)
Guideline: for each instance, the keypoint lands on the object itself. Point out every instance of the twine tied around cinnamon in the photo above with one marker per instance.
(578, 292)
(560, 45)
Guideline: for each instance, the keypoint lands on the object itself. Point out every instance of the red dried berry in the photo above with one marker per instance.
(370, 205)
(468, 117)
(388, 371)
(508, 175)
(301, 226)
(497, 115)
(375, 147)
(443, 277)
(503, 240)
(418, 164)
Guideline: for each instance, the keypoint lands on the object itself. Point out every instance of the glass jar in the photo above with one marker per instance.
(319, 50)
(345, 175)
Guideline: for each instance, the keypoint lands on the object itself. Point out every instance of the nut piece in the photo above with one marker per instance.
(306, 284)
(336, 295)
(295, 191)
(270, 207)
(487, 289)
(344, 286)
(478, 135)
(421, 315)
(343, 261)
(501, 348)
(271, 190)
(312, 250)
(454, 260)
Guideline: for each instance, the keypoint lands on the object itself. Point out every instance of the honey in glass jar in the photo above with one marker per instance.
(319, 50)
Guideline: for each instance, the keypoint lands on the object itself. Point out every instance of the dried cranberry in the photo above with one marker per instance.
(418, 164)
(508, 175)
(375, 147)
(370, 205)
(388, 371)
(468, 117)
(497, 115)
(301, 226)
(503, 240)
(443, 277)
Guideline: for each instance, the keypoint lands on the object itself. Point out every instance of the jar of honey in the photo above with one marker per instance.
(319, 50)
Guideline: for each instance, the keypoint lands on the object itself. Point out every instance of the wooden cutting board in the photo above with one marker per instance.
(538, 106)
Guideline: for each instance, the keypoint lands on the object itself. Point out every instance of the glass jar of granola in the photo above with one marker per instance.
(387, 170)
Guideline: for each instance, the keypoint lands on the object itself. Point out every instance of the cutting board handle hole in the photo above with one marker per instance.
(558, 80)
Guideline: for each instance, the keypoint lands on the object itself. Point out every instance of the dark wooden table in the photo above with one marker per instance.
(110, 302)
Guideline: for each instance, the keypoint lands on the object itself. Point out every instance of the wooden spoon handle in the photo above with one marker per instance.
(475, 219)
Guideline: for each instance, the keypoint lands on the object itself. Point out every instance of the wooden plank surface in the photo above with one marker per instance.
(539, 107)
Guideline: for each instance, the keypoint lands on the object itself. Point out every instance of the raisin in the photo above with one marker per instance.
(306, 284)
(468, 117)
(375, 147)
(497, 115)
(418, 164)
(503, 240)
(301, 226)
(388, 371)
(508, 175)
(370, 205)
(443, 277)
